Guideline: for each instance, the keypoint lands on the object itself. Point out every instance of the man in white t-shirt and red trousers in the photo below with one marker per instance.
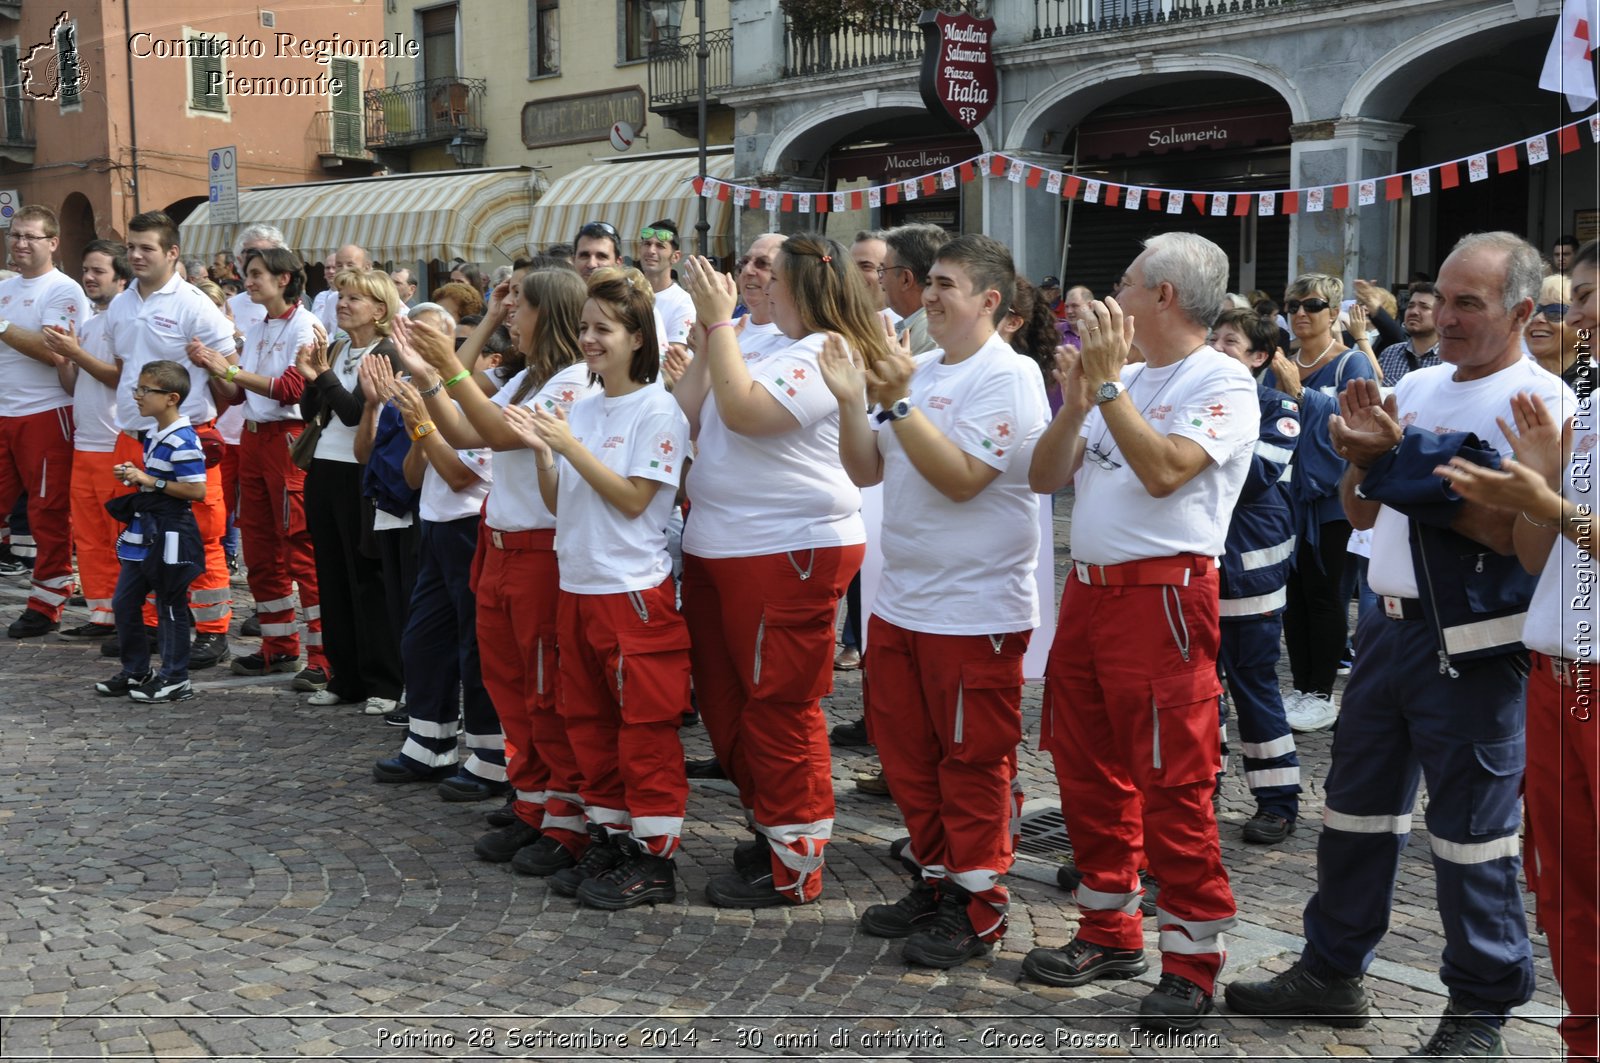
(1440, 675)
(1158, 452)
(36, 412)
(954, 431)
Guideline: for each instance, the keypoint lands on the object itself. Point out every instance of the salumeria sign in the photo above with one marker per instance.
(958, 76)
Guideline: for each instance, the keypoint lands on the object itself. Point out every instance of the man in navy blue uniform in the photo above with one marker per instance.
(1439, 676)
(1255, 573)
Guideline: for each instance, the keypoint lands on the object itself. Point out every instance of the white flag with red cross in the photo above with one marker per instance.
(1569, 64)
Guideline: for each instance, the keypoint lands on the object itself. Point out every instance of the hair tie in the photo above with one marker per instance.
(827, 258)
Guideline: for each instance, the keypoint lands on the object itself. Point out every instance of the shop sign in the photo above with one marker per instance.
(1134, 135)
(959, 83)
(584, 117)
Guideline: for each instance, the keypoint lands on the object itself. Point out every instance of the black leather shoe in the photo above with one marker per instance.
(752, 857)
(89, 631)
(1301, 994)
(853, 733)
(1174, 1004)
(401, 768)
(465, 786)
(251, 628)
(602, 855)
(710, 768)
(640, 877)
(905, 916)
(31, 624)
(1465, 1035)
(1264, 828)
(736, 891)
(503, 816)
(210, 648)
(498, 846)
(1080, 962)
(543, 858)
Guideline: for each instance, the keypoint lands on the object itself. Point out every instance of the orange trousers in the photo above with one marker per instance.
(94, 531)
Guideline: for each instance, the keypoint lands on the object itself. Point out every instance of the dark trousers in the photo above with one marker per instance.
(172, 621)
(357, 633)
(1316, 623)
(852, 614)
(398, 553)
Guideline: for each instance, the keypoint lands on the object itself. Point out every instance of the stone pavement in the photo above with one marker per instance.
(221, 879)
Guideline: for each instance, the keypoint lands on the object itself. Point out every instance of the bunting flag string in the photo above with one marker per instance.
(1536, 150)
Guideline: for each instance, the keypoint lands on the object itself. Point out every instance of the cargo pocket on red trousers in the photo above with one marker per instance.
(652, 674)
(988, 712)
(794, 651)
(1183, 718)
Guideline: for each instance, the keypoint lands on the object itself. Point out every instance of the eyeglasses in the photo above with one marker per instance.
(1312, 306)
(29, 238)
(885, 269)
(141, 391)
(599, 228)
(1555, 313)
(666, 236)
(1102, 458)
(760, 262)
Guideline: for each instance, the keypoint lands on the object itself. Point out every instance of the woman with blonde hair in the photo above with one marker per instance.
(773, 538)
(609, 471)
(514, 572)
(1552, 340)
(360, 640)
(1316, 621)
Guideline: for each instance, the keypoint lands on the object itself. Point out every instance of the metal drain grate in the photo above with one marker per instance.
(1044, 833)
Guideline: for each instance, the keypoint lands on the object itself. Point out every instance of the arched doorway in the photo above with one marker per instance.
(77, 230)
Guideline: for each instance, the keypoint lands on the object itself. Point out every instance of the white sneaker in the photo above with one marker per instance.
(378, 706)
(1316, 712)
(324, 697)
(1291, 704)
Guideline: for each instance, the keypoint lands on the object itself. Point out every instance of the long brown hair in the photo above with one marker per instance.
(558, 295)
(631, 302)
(830, 293)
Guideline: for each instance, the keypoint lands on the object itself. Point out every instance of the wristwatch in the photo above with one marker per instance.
(1108, 392)
(898, 410)
(160, 485)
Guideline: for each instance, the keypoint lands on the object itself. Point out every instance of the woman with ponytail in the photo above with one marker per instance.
(773, 538)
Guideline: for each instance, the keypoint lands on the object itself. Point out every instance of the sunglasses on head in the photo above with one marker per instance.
(666, 236)
(1555, 313)
(1312, 306)
(599, 228)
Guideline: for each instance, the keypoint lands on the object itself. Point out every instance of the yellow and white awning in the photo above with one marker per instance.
(474, 215)
(631, 194)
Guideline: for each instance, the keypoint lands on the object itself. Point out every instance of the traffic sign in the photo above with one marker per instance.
(10, 201)
(223, 170)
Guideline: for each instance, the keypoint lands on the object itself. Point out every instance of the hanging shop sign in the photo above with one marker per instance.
(959, 83)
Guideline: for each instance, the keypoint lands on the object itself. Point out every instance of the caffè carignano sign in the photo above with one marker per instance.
(583, 117)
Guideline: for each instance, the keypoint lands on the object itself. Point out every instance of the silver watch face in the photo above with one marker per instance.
(1108, 391)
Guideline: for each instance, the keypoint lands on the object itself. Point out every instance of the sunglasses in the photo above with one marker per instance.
(599, 228)
(1312, 306)
(666, 236)
(760, 262)
(1555, 313)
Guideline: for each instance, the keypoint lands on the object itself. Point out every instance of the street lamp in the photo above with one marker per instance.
(668, 18)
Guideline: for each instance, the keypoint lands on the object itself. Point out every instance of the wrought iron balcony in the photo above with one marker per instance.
(436, 111)
(826, 38)
(1066, 18)
(674, 70)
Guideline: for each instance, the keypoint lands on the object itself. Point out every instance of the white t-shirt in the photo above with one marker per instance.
(1432, 398)
(965, 568)
(1207, 397)
(763, 495)
(338, 440)
(677, 313)
(94, 404)
(758, 340)
(26, 386)
(246, 311)
(269, 350)
(439, 503)
(602, 552)
(514, 504)
(326, 307)
(149, 328)
(1564, 616)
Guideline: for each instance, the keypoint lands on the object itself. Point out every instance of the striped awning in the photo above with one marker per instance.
(631, 194)
(474, 215)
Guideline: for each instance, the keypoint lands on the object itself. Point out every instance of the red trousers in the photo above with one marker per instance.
(517, 585)
(276, 543)
(948, 713)
(624, 690)
(94, 531)
(1562, 796)
(211, 593)
(36, 459)
(1130, 717)
(763, 658)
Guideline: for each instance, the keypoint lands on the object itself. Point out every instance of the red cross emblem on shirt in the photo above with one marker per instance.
(567, 395)
(1002, 430)
(1217, 409)
(666, 446)
(799, 374)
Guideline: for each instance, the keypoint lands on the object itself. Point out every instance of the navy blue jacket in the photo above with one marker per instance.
(1261, 537)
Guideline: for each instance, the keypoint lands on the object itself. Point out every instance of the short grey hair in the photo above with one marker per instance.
(270, 235)
(1196, 268)
(501, 273)
(435, 308)
(916, 246)
(870, 234)
(1524, 265)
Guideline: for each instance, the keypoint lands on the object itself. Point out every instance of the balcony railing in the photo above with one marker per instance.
(674, 69)
(16, 120)
(339, 134)
(1064, 18)
(435, 111)
(853, 40)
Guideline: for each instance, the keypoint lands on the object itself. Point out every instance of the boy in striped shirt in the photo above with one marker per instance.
(161, 550)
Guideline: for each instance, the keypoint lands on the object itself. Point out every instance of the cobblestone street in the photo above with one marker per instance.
(222, 879)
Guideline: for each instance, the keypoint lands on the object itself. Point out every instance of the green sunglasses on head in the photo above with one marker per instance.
(666, 236)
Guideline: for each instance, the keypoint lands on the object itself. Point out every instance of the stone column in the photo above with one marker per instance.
(1351, 243)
